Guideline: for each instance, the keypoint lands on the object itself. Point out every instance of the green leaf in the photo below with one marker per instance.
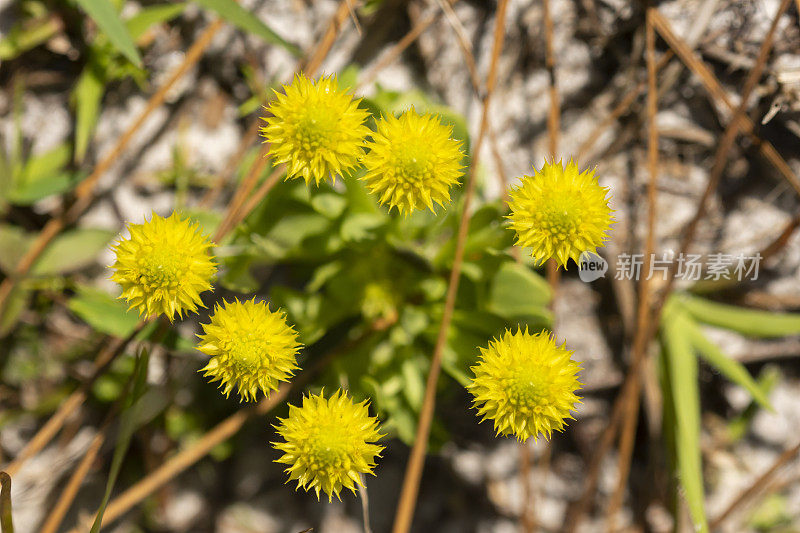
(414, 383)
(86, 96)
(245, 20)
(33, 191)
(13, 243)
(23, 37)
(749, 322)
(72, 250)
(44, 165)
(107, 18)
(733, 370)
(142, 21)
(15, 304)
(128, 424)
(42, 176)
(103, 312)
(682, 369)
(518, 291)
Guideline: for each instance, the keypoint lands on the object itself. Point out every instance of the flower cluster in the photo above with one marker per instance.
(318, 132)
(525, 383)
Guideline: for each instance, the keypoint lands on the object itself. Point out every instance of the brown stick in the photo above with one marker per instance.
(6, 522)
(713, 86)
(390, 56)
(554, 115)
(641, 341)
(755, 487)
(186, 458)
(410, 489)
(85, 192)
(469, 58)
(73, 402)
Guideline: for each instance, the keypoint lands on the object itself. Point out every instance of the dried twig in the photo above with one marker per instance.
(6, 522)
(718, 94)
(640, 341)
(389, 57)
(755, 487)
(469, 58)
(409, 491)
(49, 430)
(554, 115)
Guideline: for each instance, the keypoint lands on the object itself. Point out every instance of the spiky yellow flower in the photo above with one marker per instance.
(412, 162)
(526, 384)
(251, 348)
(560, 212)
(329, 443)
(163, 266)
(315, 128)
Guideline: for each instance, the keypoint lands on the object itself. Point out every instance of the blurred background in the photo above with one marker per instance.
(113, 109)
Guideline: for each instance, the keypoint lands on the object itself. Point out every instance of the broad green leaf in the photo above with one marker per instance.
(86, 96)
(15, 305)
(518, 291)
(682, 367)
(730, 368)
(105, 15)
(72, 250)
(247, 21)
(32, 191)
(414, 383)
(128, 424)
(329, 204)
(751, 322)
(13, 243)
(42, 176)
(142, 21)
(44, 165)
(103, 312)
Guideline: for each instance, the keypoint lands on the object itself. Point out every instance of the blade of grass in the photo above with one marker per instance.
(682, 366)
(139, 23)
(733, 370)
(107, 18)
(245, 20)
(750, 322)
(641, 341)
(127, 426)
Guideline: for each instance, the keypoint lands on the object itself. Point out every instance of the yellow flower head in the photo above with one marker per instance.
(251, 348)
(526, 384)
(412, 162)
(316, 129)
(560, 212)
(328, 443)
(164, 266)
